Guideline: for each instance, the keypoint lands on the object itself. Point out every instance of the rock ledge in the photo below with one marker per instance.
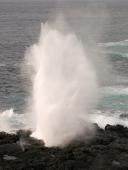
(108, 150)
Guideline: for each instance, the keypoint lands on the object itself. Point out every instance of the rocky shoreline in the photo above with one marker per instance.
(108, 150)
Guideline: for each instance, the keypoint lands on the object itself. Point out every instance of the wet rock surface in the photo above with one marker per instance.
(108, 150)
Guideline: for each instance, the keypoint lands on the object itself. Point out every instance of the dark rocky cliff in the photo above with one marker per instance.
(108, 150)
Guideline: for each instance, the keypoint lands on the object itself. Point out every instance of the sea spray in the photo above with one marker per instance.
(64, 87)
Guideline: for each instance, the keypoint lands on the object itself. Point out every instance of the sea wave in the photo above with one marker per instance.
(115, 49)
(114, 90)
(116, 43)
(102, 119)
(11, 121)
(117, 54)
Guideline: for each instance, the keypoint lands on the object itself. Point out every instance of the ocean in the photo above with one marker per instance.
(105, 23)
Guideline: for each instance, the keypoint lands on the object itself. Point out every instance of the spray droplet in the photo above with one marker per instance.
(64, 87)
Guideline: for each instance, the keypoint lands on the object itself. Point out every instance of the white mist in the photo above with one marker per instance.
(64, 87)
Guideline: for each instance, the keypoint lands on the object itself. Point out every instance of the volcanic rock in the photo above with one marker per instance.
(107, 150)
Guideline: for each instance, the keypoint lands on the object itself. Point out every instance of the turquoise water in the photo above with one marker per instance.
(114, 102)
(115, 97)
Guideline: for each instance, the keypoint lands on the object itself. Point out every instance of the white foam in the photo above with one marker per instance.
(11, 121)
(102, 119)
